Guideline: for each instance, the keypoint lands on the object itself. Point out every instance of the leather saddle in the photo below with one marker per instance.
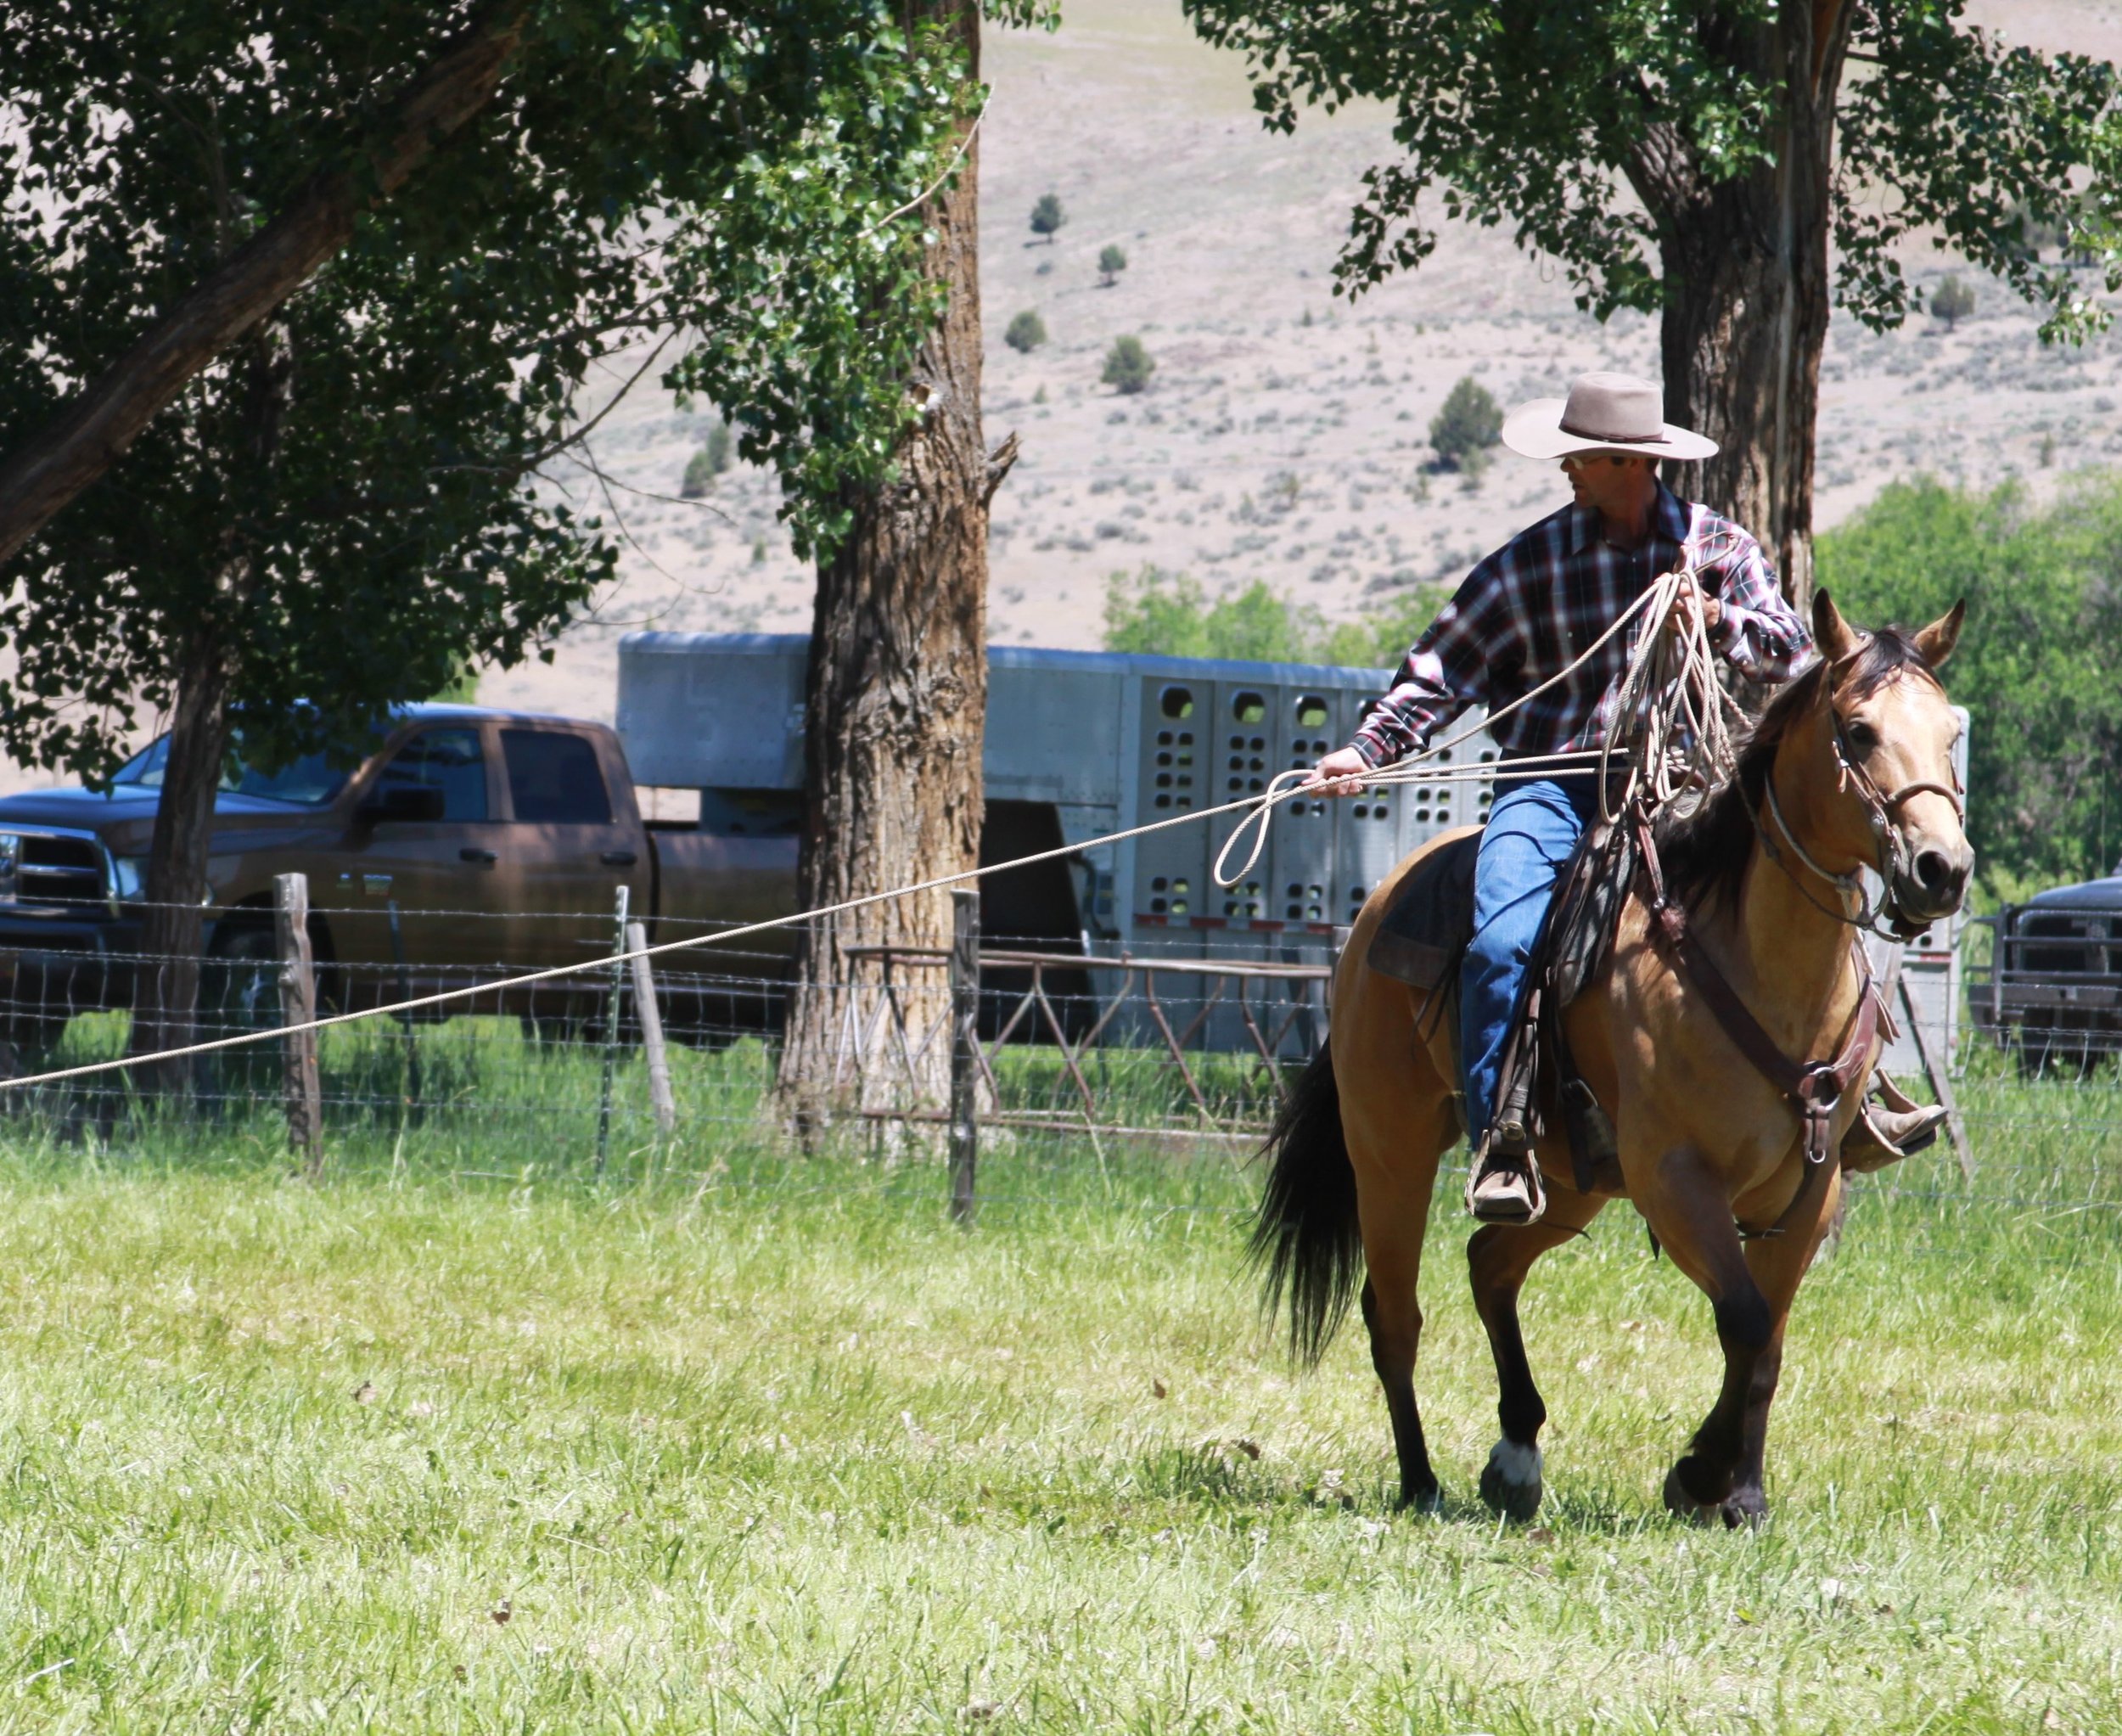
(1423, 939)
(1423, 942)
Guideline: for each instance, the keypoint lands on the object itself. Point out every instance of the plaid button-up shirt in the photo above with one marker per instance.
(1534, 606)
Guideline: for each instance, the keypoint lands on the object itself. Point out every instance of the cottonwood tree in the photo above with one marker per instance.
(1698, 158)
(2044, 755)
(897, 688)
(336, 508)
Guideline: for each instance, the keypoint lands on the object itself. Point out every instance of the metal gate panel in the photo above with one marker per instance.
(1309, 721)
(1428, 809)
(1171, 867)
(1243, 761)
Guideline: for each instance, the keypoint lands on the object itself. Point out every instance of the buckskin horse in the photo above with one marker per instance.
(1727, 1136)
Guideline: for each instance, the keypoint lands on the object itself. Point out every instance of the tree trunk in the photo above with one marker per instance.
(167, 989)
(897, 701)
(1748, 294)
(41, 476)
(166, 992)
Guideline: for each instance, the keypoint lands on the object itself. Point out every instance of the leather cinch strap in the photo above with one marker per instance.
(1815, 1088)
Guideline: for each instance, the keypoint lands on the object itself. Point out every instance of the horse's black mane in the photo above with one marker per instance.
(1704, 853)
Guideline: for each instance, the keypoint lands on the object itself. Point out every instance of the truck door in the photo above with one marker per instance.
(423, 838)
(573, 838)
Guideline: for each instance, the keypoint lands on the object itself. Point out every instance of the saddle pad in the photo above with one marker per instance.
(1427, 929)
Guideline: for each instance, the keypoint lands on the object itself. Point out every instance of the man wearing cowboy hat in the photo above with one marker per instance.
(1522, 617)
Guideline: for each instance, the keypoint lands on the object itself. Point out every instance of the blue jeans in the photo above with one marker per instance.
(1532, 829)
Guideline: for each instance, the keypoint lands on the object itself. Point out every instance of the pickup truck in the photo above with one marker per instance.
(2053, 992)
(467, 843)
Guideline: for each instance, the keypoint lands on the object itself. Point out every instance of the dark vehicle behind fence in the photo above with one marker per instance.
(468, 844)
(2053, 991)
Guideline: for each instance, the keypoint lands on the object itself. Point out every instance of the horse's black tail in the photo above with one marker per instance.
(1305, 1232)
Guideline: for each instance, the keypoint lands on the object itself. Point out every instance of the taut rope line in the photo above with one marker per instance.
(1279, 790)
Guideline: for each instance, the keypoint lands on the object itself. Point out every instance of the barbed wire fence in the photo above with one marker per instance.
(948, 1055)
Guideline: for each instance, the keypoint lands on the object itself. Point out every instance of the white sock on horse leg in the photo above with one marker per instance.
(1517, 1464)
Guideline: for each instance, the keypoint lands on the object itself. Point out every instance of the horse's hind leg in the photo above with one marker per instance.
(1398, 1120)
(1498, 1257)
(1394, 1212)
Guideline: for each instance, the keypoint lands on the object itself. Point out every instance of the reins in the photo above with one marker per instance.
(1677, 708)
(1815, 1088)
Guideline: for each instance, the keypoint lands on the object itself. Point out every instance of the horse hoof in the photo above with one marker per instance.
(1743, 1509)
(1682, 1504)
(1428, 1501)
(1510, 1480)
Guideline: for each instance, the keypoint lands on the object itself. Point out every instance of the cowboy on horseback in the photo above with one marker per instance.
(1526, 619)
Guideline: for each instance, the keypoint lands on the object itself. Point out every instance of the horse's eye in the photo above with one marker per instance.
(1862, 737)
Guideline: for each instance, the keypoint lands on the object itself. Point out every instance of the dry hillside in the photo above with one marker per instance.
(1284, 435)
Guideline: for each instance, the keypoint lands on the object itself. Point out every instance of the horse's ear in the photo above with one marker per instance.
(1833, 635)
(1937, 640)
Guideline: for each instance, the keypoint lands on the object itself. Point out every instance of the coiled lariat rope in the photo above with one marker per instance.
(1672, 713)
(1679, 668)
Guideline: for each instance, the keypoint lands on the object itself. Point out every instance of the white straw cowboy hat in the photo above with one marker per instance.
(1604, 413)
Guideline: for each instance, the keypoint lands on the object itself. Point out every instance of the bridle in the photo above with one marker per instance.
(1891, 861)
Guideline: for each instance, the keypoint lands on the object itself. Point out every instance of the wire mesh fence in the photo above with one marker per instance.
(1074, 1061)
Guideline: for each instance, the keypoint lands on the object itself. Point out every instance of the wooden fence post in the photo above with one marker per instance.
(614, 999)
(297, 1008)
(965, 1058)
(651, 1017)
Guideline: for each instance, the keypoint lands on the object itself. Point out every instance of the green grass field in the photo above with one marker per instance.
(464, 1439)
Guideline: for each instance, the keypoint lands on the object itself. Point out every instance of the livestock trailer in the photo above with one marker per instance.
(1080, 744)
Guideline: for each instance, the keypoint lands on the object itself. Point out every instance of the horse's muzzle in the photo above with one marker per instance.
(1935, 881)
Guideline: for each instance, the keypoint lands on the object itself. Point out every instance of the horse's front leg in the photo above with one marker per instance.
(1779, 1265)
(1497, 1259)
(1688, 1209)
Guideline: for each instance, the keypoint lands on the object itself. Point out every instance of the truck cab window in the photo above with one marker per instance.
(554, 780)
(447, 760)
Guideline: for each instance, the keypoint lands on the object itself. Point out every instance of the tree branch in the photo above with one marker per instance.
(39, 479)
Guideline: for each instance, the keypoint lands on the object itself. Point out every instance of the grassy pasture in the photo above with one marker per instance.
(781, 1450)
